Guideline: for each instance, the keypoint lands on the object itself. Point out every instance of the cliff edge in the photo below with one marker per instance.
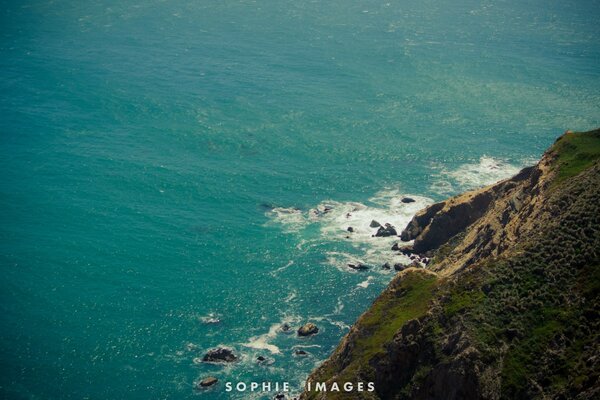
(508, 307)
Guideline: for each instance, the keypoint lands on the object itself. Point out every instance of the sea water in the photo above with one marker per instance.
(180, 175)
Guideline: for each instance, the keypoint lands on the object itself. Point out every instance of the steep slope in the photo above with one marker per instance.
(509, 306)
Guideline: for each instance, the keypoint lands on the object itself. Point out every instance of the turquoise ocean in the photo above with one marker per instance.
(168, 164)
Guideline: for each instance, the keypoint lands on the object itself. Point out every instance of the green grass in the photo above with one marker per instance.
(462, 301)
(575, 152)
(408, 299)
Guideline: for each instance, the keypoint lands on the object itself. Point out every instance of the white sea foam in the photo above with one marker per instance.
(283, 268)
(211, 318)
(473, 175)
(261, 342)
(333, 218)
(292, 218)
(365, 284)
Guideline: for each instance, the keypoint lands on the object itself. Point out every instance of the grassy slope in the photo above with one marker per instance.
(575, 152)
(407, 298)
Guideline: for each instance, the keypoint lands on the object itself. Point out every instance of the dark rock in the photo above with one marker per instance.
(350, 229)
(220, 354)
(300, 353)
(374, 224)
(399, 267)
(407, 251)
(386, 266)
(206, 382)
(395, 247)
(285, 327)
(358, 267)
(420, 221)
(407, 200)
(279, 396)
(308, 329)
(260, 358)
(386, 231)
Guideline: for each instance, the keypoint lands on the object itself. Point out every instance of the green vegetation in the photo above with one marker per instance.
(462, 301)
(575, 152)
(392, 310)
(407, 298)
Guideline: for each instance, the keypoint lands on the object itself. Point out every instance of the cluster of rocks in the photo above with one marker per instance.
(386, 231)
(417, 260)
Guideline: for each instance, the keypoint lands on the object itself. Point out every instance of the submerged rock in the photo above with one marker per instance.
(386, 231)
(285, 328)
(220, 354)
(407, 200)
(358, 267)
(206, 382)
(386, 266)
(374, 224)
(300, 353)
(308, 329)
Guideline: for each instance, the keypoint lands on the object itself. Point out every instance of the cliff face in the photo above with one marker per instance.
(509, 306)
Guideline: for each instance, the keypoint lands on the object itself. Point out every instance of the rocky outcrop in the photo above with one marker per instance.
(420, 221)
(220, 355)
(509, 299)
(385, 231)
(308, 329)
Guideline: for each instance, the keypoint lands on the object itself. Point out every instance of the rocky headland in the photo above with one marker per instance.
(507, 306)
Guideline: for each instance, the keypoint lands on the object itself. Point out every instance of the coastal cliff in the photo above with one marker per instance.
(507, 308)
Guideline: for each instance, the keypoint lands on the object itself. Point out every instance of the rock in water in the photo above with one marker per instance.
(374, 224)
(395, 247)
(386, 266)
(220, 354)
(300, 353)
(358, 267)
(206, 382)
(350, 229)
(308, 329)
(407, 200)
(386, 231)
(260, 358)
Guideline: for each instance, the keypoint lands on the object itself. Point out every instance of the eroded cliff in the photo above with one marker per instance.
(509, 306)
